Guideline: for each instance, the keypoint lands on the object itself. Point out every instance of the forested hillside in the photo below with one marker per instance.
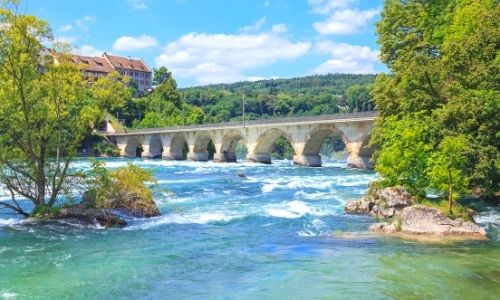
(311, 95)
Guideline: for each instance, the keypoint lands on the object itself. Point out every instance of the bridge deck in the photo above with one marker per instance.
(322, 119)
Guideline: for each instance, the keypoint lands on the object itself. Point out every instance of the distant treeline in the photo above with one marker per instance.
(304, 96)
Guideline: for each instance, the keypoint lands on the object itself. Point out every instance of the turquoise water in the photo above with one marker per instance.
(280, 233)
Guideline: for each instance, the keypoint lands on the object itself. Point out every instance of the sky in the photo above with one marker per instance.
(222, 41)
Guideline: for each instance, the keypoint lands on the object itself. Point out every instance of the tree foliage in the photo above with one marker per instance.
(109, 185)
(111, 91)
(444, 62)
(304, 96)
(446, 168)
(44, 113)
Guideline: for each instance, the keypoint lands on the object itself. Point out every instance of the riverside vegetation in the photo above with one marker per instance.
(439, 109)
(47, 110)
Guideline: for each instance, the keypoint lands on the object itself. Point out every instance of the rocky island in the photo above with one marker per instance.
(401, 215)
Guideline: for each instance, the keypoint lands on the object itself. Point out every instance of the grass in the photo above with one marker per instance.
(459, 211)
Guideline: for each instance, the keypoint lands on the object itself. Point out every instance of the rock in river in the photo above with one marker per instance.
(422, 220)
(384, 203)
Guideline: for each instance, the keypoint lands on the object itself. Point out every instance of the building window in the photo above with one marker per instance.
(142, 82)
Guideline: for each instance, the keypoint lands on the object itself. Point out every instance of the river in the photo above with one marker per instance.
(279, 233)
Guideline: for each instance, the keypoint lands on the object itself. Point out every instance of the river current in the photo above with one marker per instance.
(278, 233)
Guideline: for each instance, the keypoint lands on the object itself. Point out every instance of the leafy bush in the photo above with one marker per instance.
(106, 185)
(106, 149)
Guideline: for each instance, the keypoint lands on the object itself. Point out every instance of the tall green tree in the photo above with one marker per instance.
(446, 168)
(444, 64)
(111, 91)
(161, 75)
(42, 117)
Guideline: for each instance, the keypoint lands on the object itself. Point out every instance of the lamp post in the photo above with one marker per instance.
(243, 109)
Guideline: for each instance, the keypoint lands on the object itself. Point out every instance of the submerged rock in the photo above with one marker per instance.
(422, 220)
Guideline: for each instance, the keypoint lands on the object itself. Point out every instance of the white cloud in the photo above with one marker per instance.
(129, 43)
(341, 66)
(83, 22)
(346, 58)
(216, 58)
(138, 4)
(346, 21)
(66, 39)
(65, 28)
(87, 50)
(324, 7)
(255, 27)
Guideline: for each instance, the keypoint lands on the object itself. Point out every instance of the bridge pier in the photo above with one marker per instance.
(172, 155)
(359, 162)
(145, 151)
(359, 156)
(263, 158)
(225, 157)
(307, 160)
(198, 156)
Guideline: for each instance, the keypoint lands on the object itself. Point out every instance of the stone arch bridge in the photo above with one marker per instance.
(305, 134)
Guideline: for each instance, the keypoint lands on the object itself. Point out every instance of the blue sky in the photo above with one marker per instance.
(212, 41)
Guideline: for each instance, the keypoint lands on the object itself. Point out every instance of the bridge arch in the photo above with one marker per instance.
(177, 146)
(133, 148)
(228, 145)
(317, 137)
(264, 143)
(200, 147)
(313, 142)
(155, 146)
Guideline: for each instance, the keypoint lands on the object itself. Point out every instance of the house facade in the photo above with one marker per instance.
(136, 69)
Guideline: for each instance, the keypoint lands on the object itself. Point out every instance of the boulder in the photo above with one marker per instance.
(89, 216)
(360, 206)
(422, 220)
(383, 204)
(395, 197)
(133, 204)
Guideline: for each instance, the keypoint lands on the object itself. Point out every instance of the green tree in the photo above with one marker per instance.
(444, 62)
(359, 98)
(447, 168)
(167, 91)
(42, 117)
(161, 75)
(111, 91)
(403, 160)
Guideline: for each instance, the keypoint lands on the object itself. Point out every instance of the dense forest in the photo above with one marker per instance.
(313, 95)
(304, 96)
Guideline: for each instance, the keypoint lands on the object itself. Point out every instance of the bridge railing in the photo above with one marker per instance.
(280, 120)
